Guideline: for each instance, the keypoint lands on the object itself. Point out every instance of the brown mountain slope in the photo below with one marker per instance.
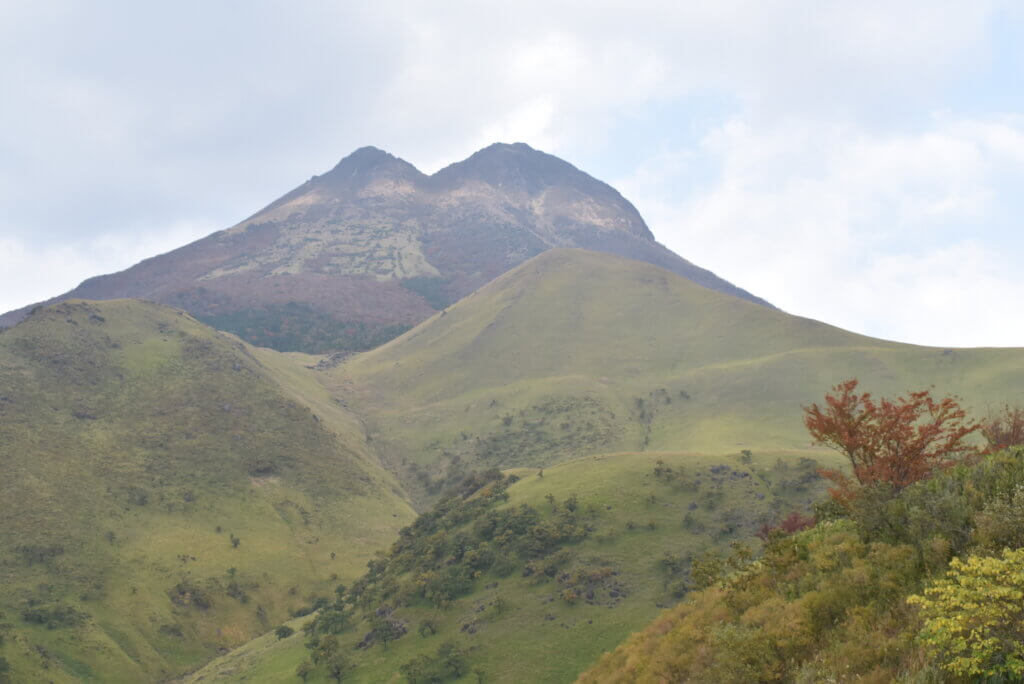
(353, 257)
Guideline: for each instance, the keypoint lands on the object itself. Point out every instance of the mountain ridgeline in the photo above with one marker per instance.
(553, 428)
(354, 257)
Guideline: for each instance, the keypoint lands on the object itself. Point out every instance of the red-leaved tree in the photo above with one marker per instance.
(792, 523)
(1004, 429)
(898, 441)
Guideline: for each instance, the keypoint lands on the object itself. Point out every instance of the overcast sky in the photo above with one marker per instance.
(860, 163)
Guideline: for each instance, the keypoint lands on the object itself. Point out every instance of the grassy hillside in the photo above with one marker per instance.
(579, 353)
(142, 443)
(831, 603)
(608, 545)
(168, 493)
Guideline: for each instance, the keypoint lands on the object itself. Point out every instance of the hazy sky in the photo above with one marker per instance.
(861, 163)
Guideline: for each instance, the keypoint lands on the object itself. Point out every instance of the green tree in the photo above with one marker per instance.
(338, 665)
(386, 629)
(974, 617)
(304, 669)
(325, 649)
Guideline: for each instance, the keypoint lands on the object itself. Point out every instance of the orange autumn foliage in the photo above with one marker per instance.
(895, 441)
(1004, 429)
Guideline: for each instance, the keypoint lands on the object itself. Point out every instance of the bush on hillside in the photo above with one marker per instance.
(448, 663)
(54, 617)
(1004, 428)
(893, 441)
(830, 603)
(974, 617)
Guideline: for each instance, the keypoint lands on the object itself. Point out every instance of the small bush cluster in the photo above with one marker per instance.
(54, 617)
(448, 663)
(186, 594)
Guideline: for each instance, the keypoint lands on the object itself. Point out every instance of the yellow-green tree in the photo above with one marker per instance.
(974, 617)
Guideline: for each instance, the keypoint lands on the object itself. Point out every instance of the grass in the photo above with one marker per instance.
(136, 443)
(577, 353)
(132, 419)
(537, 636)
(574, 356)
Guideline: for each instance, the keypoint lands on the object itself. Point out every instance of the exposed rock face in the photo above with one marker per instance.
(352, 258)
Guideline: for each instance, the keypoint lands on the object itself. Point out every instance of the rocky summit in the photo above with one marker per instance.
(358, 255)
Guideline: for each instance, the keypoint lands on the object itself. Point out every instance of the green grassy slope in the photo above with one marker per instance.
(576, 352)
(136, 444)
(133, 433)
(516, 628)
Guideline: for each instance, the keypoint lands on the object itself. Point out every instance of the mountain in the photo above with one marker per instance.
(669, 414)
(364, 252)
(172, 492)
(576, 352)
(168, 493)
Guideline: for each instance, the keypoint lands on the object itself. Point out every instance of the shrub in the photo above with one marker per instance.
(707, 569)
(428, 627)
(448, 663)
(898, 442)
(54, 617)
(332, 619)
(386, 629)
(304, 669)
(283, 632)
(794, 522)
(1000, 524)
(974, 617)
(235, 591)
(338, 666)
(324, 648)
(171, 630)
(1005, 428)
(186, 594)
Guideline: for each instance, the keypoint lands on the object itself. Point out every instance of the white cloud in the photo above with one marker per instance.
(900, 236)
(34, 273)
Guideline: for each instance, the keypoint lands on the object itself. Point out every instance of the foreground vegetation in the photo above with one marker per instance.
(902, 579)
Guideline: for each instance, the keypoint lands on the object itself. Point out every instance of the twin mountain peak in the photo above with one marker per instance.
(355, 256)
